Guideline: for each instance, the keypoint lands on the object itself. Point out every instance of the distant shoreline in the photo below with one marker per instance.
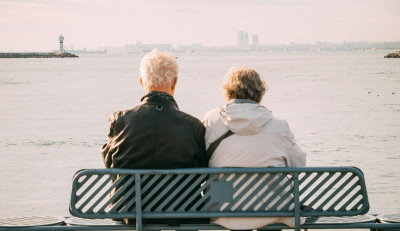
(37, 55)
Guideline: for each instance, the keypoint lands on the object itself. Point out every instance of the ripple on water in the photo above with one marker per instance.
(11, 82)
(48, 143)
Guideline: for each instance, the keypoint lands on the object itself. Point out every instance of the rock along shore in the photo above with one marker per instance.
(37, 55)
(393, 55)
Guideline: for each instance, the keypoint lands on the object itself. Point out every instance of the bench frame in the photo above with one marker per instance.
(296, 213)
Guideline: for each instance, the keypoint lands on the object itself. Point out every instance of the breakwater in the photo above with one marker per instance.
(37, 55)
(393, 55)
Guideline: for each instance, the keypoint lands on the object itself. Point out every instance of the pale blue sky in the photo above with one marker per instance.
(34, 25)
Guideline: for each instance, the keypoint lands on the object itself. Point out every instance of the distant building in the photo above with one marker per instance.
(61, 38)
(196, 46)
(161, 47)
(245, 39)
(71, 47)
(240, 38)
(139, 47)
(129, 48)
(255, 40)
(182, 48)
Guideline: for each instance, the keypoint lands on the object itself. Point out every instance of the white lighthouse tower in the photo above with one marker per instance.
(61, 38)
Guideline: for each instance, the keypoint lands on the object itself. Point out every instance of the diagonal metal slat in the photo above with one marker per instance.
(349, 201)
(316, 188)
(304, 178)
(339, 189)
(106, 193)
(88, 187)
(90, 210)
(344, 195)
(155, 189)
(207, 194)
(236, 188)
(274, 195)
(175, 192)
(288, 204)
(326, 190)
(79, 184)
(361, 202)
(193, 197)
(246, 190)
(163, 192)
(267, 181)
(284, 196)
(219, 205)
(311, 182)
(269, 190)
(115, 195)
(126, 195)
(133, 200)
(149, 184)
(257, 191)
(186, 192)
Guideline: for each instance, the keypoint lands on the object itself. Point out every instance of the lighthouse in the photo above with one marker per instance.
(61, 38)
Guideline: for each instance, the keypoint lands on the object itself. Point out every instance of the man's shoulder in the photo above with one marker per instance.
(188, 117)
(118, 115)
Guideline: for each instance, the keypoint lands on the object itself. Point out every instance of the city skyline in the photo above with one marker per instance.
(242, 45)
(33, 24)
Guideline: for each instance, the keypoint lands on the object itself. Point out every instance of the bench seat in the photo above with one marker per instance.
(76, 223)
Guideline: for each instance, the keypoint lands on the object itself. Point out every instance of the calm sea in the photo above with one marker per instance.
(343, 107)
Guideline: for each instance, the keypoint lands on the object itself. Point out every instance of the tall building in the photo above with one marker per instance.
(61, 38)
(255, 40)
(245, 39)
(240, 38)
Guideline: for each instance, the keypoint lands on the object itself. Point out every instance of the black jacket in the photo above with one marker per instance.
(154, 135)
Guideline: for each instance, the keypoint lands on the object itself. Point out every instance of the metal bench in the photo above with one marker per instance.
(329, 198)
(150, 194)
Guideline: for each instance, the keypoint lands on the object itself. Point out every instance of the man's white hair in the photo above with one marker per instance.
(158, 69)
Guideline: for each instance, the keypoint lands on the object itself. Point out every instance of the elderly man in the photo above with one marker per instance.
(155, 134)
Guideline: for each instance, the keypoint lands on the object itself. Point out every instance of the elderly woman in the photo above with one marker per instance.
(251, 137)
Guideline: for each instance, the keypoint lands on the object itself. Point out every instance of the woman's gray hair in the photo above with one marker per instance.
(158, 69)
(243, 83)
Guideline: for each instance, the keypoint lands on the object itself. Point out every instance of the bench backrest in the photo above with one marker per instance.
(227, 192)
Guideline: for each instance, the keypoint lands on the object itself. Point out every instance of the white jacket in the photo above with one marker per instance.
(259, 140)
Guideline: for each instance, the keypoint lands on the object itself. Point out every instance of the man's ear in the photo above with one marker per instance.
(174, 83)
(141, 82)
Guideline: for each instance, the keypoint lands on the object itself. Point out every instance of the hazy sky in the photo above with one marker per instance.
(34, 25)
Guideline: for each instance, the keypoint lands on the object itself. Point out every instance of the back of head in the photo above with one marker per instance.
(158, 69)
(243, 83)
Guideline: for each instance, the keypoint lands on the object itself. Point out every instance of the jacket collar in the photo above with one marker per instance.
(159, 98)
(240, 101)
